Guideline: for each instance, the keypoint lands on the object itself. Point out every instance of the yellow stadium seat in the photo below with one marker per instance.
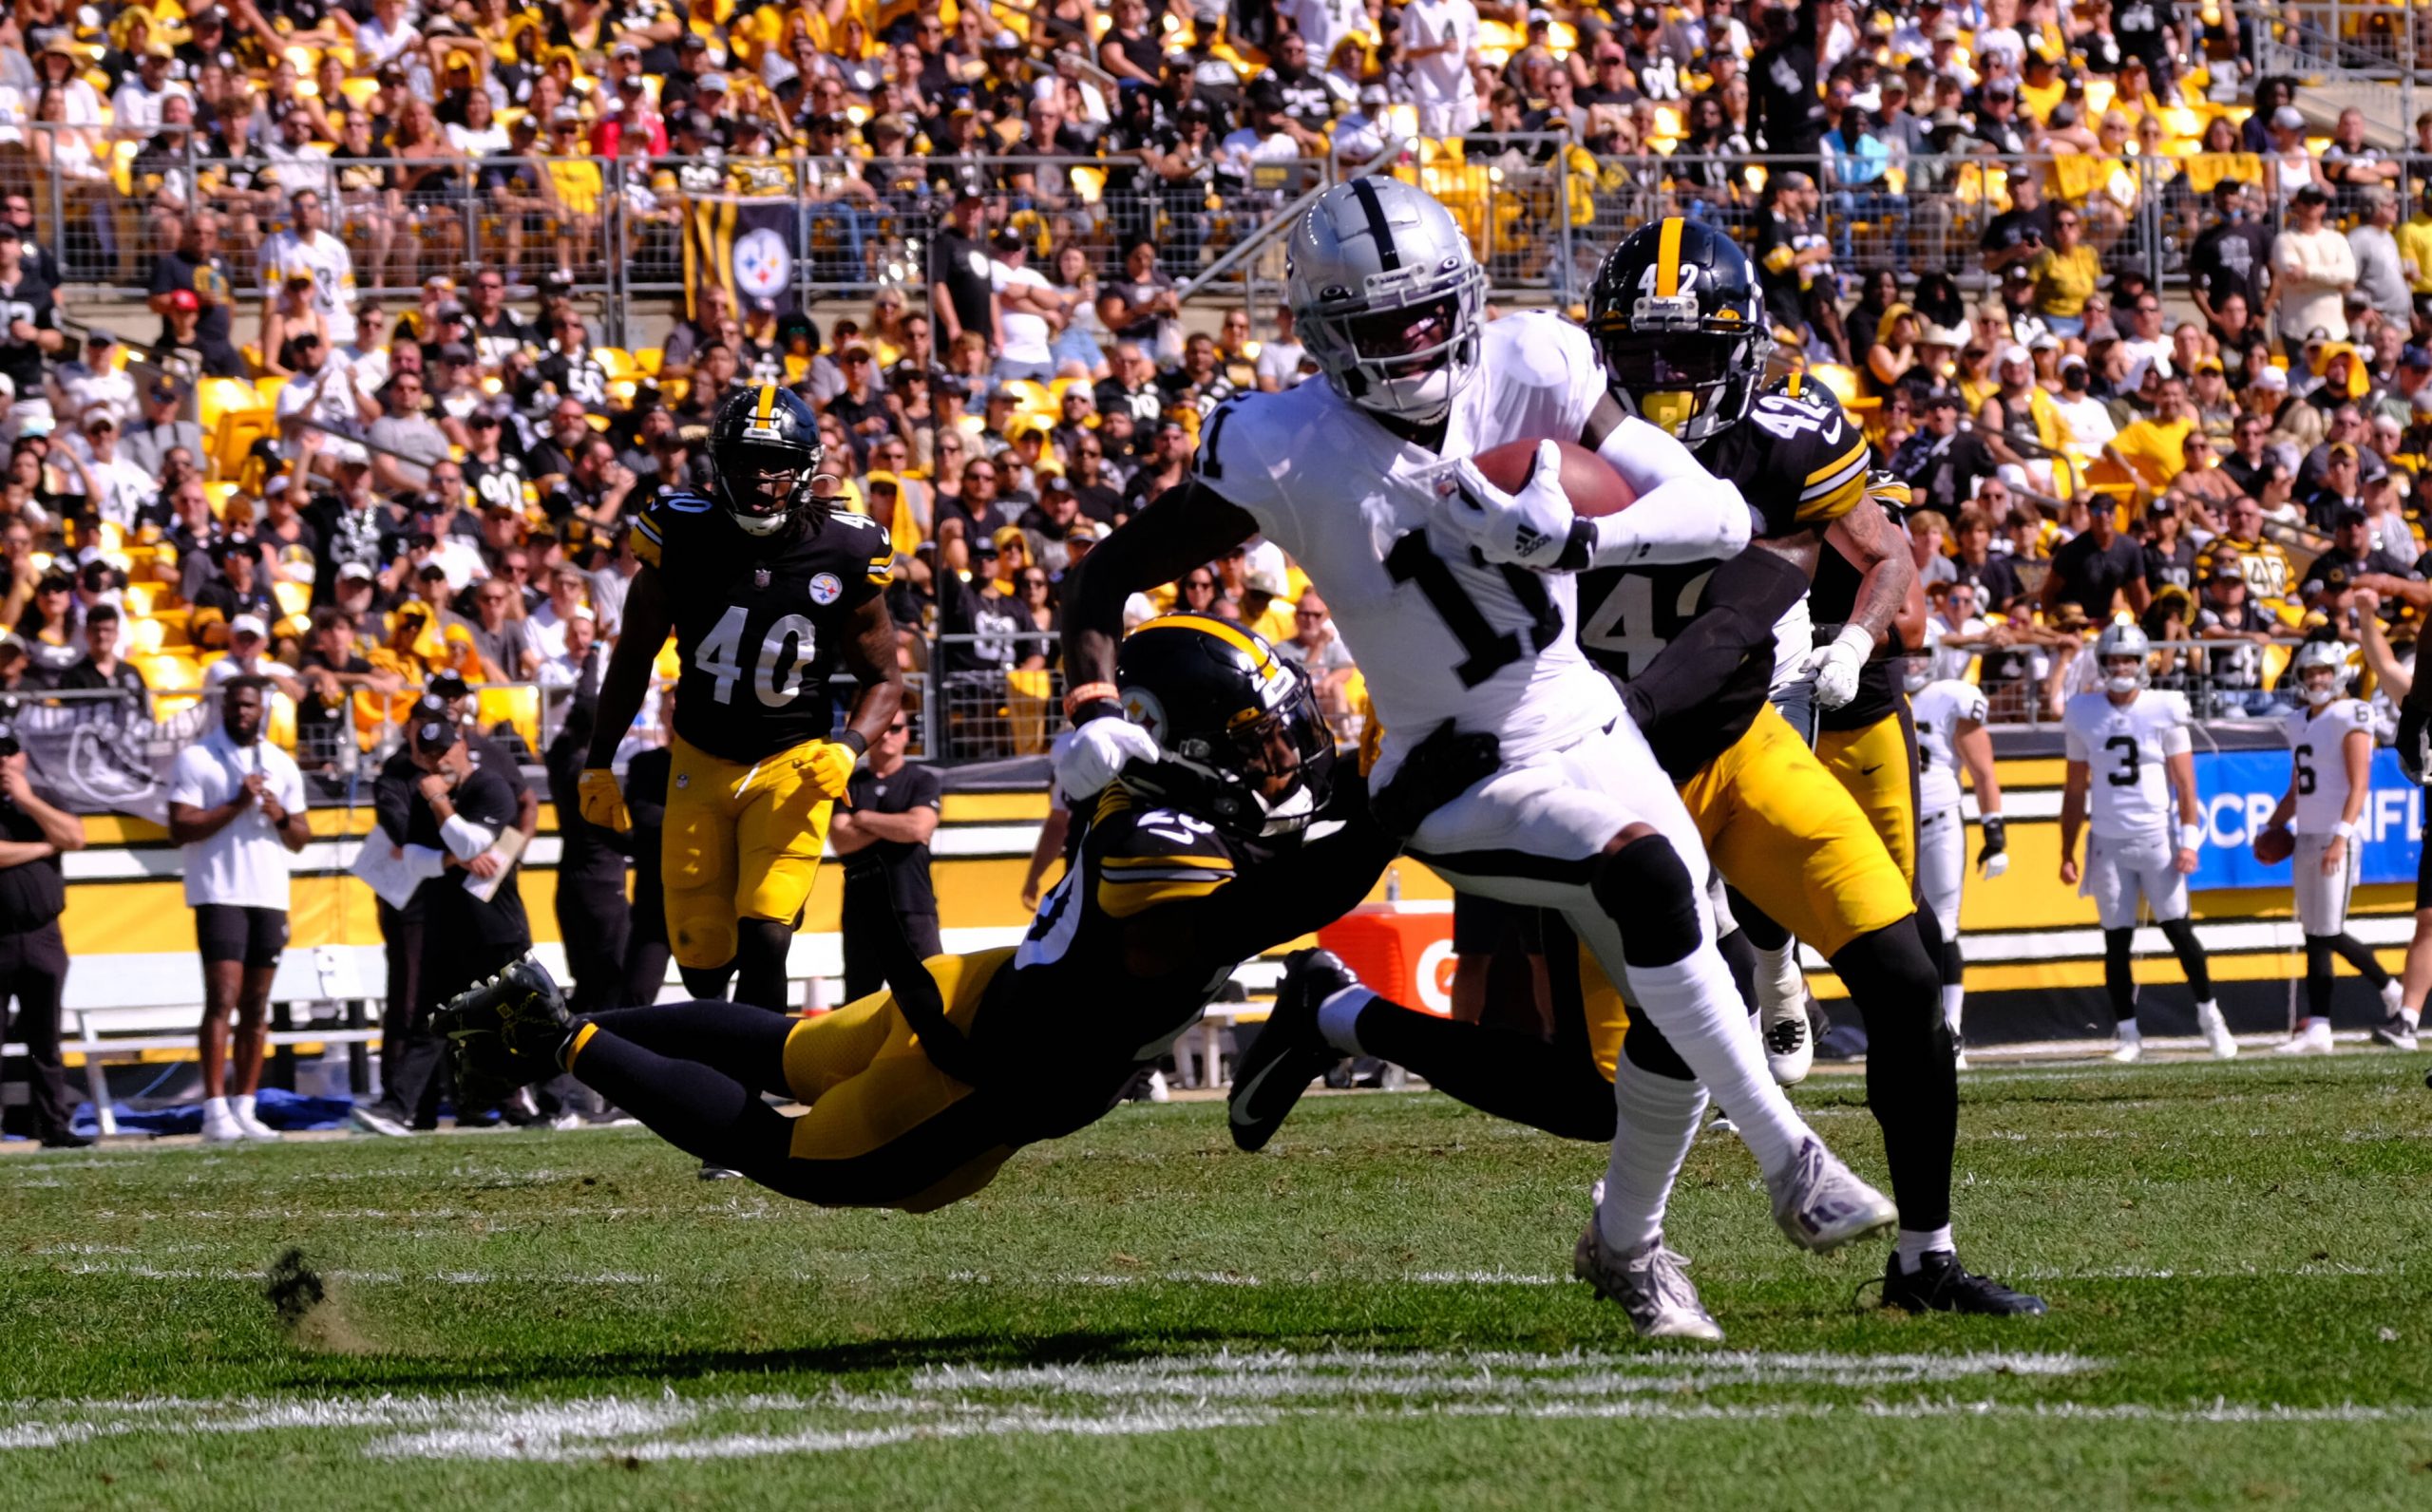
(281, 725)
(359, 90)
(648, 359)
(169, 674)
(519, 708)
(215, 396)
(144, 640)
(1843, 382)
(268, 386)
(614, 361)
(294, 598)
(139, 599)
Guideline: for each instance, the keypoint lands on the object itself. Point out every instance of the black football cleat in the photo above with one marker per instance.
(1941, 1284)
(1289, 1052)
(507, 1031)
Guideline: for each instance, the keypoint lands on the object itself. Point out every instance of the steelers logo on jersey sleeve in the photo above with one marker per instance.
(825, 588)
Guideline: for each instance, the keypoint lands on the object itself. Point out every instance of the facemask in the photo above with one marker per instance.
(2318, 694)
(1914, 682)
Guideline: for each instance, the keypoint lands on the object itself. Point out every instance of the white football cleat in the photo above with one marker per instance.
(1652, 1286)
(1822, 1205)
(2130, 1045)
(1790, 1042)
(2216, 1032)
(2314, 1039)
(219, 1126)
(2396, 1032)
(253, 1129)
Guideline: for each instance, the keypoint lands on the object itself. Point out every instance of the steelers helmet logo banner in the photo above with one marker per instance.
(825, 588)
(762, 265)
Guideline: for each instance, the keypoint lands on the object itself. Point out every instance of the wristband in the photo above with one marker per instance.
(1996, 835)
(1077, 699)
(2191, 837)
(1857, 638)
(2345, 830)
(854, 741)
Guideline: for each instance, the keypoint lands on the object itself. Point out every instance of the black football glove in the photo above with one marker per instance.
(1437, 770)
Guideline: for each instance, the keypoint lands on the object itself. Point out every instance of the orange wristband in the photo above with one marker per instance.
(1086, 693)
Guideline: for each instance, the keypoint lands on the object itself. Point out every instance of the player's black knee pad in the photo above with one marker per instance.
(1645, 888)
(1891, 980)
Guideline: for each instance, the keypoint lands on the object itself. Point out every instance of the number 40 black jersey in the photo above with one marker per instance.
(1802, 463)
(759, 620)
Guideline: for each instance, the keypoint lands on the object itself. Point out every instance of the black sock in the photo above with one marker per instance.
(762, 945)
(1911, 1080)
(733, 1039)
(2318, 974)
(705, 983)
(2359, 954)
(1761, 931)
(2117, 975)
(697, 1109)
(1515, 1076)
(2181, 935)
(1954, 965)
(1740, 955)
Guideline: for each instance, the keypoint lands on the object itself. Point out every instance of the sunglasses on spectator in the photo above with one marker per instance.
(1199, 582)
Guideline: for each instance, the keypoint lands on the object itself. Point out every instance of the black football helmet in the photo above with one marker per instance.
(1242, 742)
(1680, 323)
(764, 453)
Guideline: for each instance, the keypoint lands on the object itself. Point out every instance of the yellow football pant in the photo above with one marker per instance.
(742, 841)
(1878, 766)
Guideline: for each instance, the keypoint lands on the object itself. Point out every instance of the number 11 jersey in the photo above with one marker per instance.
(758, 619)
(1438, 632)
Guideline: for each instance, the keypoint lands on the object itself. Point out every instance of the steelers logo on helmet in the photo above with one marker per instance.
(1680, 325)
(765, 454)
(1241, 741)
(1386, 297)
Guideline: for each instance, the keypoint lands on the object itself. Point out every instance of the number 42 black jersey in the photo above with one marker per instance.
(1802, 463)
(759, 620)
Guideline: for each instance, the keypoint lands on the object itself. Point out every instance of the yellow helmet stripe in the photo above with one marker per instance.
(1667, 257)
(1223, 632)
(767, 404)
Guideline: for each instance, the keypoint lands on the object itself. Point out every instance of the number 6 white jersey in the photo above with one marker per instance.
(2125, 751)
(2317, 743)
(1437, 633)
(1937, 708)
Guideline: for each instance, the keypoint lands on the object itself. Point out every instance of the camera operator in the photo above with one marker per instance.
(237, 804)
(33, 959)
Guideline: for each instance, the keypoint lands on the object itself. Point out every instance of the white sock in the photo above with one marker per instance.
(242, 1106)
(1338, 1015)
(215, 1108)
(1656, 1120)
(1694, 1003)
(1953, 996)
(2410, 1017)
(2307, 1023)
(2128, 1032)
(1781, 980)
(1913, 1245)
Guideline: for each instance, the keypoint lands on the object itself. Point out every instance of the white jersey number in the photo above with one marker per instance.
(785, 651)
(1627, 626)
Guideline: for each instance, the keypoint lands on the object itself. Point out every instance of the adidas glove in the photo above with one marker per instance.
(1994, 859)
(1836, 665)
(1531, 528)
(829, 766)
(1097, 753)
(603, 802)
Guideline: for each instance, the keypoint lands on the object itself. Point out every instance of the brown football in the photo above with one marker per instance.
(2272, 847)
(1594, 489)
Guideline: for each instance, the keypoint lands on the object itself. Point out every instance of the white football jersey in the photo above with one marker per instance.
(1937, 708)
(325, 260)
(1439, 634)
(2318, 739)
(2125, 749)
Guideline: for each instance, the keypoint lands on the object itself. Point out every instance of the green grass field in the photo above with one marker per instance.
(1376, 1311)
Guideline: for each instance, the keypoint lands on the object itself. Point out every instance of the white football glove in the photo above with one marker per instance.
(1097, 751)
(1528, 529)
(1993, 866)
(1835, 667)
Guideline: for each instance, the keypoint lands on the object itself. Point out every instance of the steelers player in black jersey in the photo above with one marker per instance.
(1678, 319)
(917, 1094)
(769, 589)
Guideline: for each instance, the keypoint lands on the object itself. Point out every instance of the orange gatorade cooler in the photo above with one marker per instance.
(1401, 950)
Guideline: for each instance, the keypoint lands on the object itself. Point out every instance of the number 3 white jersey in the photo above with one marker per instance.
(1937, 708)
(2125, 751)
(2318, 740)
(1438, 634)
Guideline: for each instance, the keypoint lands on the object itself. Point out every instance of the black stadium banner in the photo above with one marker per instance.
(749, 246)
(104, 755)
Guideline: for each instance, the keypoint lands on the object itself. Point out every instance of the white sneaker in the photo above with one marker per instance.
(1822, 1205)
(2216, 1032)
(2314, 1039)
(2131, 1048)
(1158, 1090)
(2396, 1032)
(1652, 1286)
(253, 1129)
(219, 1126)
(1790, 1042)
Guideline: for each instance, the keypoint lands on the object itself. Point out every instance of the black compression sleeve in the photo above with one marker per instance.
(1742, 600)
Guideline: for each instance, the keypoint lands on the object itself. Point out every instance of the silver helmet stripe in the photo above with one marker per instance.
(1379, 228)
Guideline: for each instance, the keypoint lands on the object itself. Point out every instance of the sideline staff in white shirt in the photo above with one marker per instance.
(237, 804)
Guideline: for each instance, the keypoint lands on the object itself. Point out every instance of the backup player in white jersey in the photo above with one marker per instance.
(2330, 744)
(1507, 762)
(1949, 717)
(2129, 751)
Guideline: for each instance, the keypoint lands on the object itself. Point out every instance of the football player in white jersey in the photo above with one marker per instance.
(2129, 751)
(1949, 716)
(2330, 743)
(1507, 761)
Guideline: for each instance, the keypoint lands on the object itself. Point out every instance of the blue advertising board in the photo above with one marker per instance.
(2239, 790)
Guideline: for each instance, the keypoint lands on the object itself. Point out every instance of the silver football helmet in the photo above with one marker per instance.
(2327, 657)
(1386, 297)
(2118, 640)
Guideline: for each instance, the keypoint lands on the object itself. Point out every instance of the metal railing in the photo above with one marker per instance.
(2028, 676)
